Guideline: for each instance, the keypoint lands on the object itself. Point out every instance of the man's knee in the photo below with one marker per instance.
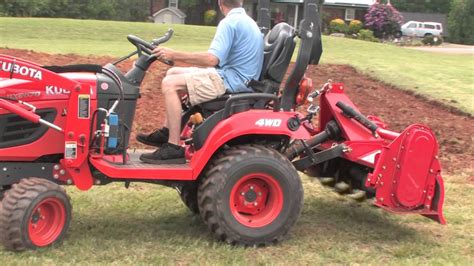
(172, 84)
(172, 71)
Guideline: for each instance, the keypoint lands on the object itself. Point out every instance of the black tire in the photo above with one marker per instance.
(220, 196)
(21, 215)
(188, 194)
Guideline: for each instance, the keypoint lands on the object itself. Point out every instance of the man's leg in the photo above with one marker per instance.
(160, 135)
(179, 70)
(171, 86)
(171, 152)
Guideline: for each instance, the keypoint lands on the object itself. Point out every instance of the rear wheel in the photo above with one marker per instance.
(34, 213)
(251, 196)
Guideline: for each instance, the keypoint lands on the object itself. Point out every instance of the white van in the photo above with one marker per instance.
(421, 29)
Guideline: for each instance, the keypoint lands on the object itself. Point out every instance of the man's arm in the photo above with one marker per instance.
(203, 59)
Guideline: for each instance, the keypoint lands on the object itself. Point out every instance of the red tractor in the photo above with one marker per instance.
(70, 125)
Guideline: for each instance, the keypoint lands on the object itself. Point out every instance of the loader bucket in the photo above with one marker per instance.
(407, 175)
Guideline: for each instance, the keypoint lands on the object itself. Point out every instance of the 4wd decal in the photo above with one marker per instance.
(22, 70)
(53, 90)
(268, 122)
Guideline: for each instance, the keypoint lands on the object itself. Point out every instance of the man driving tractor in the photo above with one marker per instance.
(235, 57)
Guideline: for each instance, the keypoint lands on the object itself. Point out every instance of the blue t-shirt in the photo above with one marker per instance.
(238, 44)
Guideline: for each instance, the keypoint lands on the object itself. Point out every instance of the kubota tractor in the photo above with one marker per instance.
(70, 125)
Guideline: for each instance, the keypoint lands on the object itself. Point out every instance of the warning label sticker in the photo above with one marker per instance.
(70, 151)
(84, 106)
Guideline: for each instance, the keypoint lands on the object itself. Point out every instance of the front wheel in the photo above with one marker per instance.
(251, 196)
(34, 213)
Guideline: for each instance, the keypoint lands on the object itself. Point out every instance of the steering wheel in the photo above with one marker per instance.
(149, 47)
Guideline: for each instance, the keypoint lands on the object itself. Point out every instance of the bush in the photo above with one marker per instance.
(383, 20)
(355, 26)
(432, 40)
(461, 21)
(367, 35)
(210, 17)
(338, 26)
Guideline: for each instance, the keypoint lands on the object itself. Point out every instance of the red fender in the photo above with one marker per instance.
(253, 122)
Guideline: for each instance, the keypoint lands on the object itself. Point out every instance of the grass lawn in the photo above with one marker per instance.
(447, 78)
(149, 225)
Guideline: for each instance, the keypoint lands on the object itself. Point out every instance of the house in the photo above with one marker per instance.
(290, 11)
(168, 15)
(194, 14)
(346, 9)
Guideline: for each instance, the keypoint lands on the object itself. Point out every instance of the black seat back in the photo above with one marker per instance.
(280, 44)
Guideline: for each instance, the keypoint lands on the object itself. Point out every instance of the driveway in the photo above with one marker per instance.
(448, 48)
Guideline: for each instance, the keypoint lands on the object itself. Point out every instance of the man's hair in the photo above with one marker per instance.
(232, 3)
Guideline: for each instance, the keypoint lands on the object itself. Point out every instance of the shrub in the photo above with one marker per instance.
(432, 40)
(367, 35)
(383, 20)
(461, 21)
(338, 26)
(210, 16)
(355, 26)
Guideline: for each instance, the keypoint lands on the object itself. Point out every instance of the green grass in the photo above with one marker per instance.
(149, 225)
(446, 78)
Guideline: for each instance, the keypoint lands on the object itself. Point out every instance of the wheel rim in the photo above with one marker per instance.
(46, 222)
(256, 200)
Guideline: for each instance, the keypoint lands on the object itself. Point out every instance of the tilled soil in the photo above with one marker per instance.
(397, 108)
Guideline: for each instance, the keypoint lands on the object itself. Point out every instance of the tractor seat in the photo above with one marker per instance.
(279, 45)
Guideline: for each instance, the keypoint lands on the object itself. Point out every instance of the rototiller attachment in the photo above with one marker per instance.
(360, 157)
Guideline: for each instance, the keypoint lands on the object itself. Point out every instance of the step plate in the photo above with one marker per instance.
(136, 169)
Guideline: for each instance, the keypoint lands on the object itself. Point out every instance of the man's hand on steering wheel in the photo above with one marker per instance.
(164, 54)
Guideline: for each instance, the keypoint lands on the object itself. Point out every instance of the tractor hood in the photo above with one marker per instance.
(31, 91)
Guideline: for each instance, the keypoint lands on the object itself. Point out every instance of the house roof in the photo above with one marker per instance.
(355, 3)
(176, 11)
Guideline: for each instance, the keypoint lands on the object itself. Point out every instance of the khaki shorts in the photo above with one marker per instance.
(204, 84)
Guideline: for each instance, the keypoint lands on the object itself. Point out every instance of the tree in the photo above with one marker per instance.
(130, 10)
(424, 6)
(461, 21)
(383, 20)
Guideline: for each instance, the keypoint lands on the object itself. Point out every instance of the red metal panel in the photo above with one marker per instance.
(137, 170)
(351, 130)
(77, 135)
(407, 176)
(52, 142)
(17, 69)
(245, 123)
(416, 155)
